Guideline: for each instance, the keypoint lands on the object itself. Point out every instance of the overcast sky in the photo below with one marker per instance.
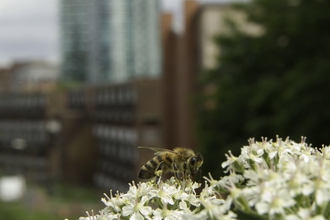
(29, 28)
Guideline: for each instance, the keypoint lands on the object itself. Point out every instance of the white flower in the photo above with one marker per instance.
(191, 198)
(306, 154)
(287, 164)
(227, 180)
(166, 214)
(322, 193)
(211, 180)
(99, 217)
(114, 202)
(252, 194)
(252, 176)
(190, 186)
(136, 209)
(300, 184)
(275, 204)
(137, 191)
(230, 159)
(280, 150)
(232, 163)
(272, 153)
(320, 169)
(213, 209)
(304, 214)
(171, 181)
(184, 207)
(281, 179)
(207, 191)
(165, 193)
(253, 153)
(235, 178)
(325, 152)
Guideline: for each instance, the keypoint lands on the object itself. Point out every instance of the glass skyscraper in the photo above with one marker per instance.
(110, 40)
(74, 39)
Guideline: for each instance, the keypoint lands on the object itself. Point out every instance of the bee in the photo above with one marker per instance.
(178, 160)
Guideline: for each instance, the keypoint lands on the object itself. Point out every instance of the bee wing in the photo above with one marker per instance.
(159, 150)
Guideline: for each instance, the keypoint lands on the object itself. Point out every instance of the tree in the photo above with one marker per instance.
(274, 83)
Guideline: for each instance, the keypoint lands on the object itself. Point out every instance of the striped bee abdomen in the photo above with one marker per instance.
(148, 170)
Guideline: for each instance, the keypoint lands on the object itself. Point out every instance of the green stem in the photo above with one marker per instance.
(255, 214)
(290, 210)
(307, 201)
(242, 204)
(326, 212)
(158, 203)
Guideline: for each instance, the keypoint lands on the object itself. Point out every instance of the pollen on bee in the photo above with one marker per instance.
(159, 173)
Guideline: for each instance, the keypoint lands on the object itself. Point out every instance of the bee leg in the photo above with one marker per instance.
(176, 170)
(159, 172)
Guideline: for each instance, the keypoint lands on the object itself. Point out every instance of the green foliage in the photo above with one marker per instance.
(15, 211)
(274, 83)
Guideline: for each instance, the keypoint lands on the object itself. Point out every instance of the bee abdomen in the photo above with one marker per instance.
(148, 170)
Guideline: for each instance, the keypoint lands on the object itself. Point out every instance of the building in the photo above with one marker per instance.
(34, 76)
(74, 39)
(4, 79)
(30, 76)
(110, 41)
(211, 19)
(185, 56)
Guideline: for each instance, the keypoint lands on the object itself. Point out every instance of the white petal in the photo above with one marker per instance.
(318, 217)
(127, 211)
(262, 208)
(319, 197)
(143, 200)
(250, 174)
(183, 205)
(258, 160)
(136, 216)
(146, 210)
(225, 164)
(304, 213)
(307, 189)
(168, 200)
(292, 217)
(272, 154)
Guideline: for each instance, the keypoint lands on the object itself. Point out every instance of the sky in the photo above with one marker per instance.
(29, 28)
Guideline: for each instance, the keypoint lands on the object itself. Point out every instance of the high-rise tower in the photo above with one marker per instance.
(109, 41)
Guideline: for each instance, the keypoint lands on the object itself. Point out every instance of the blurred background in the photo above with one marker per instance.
(84, 82)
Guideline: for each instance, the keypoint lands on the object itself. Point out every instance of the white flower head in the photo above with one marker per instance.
(114, 202)
(165, 193)
(138, 191)
(166, 214)
(232, 163)
(281, 179)
(213, 208)
(137, 210)
(276, 204)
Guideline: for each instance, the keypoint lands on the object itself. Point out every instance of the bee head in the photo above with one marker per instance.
(195, 163)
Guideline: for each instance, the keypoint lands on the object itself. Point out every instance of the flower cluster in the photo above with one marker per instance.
(279, 180)
(168, 200)
(269, 179)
